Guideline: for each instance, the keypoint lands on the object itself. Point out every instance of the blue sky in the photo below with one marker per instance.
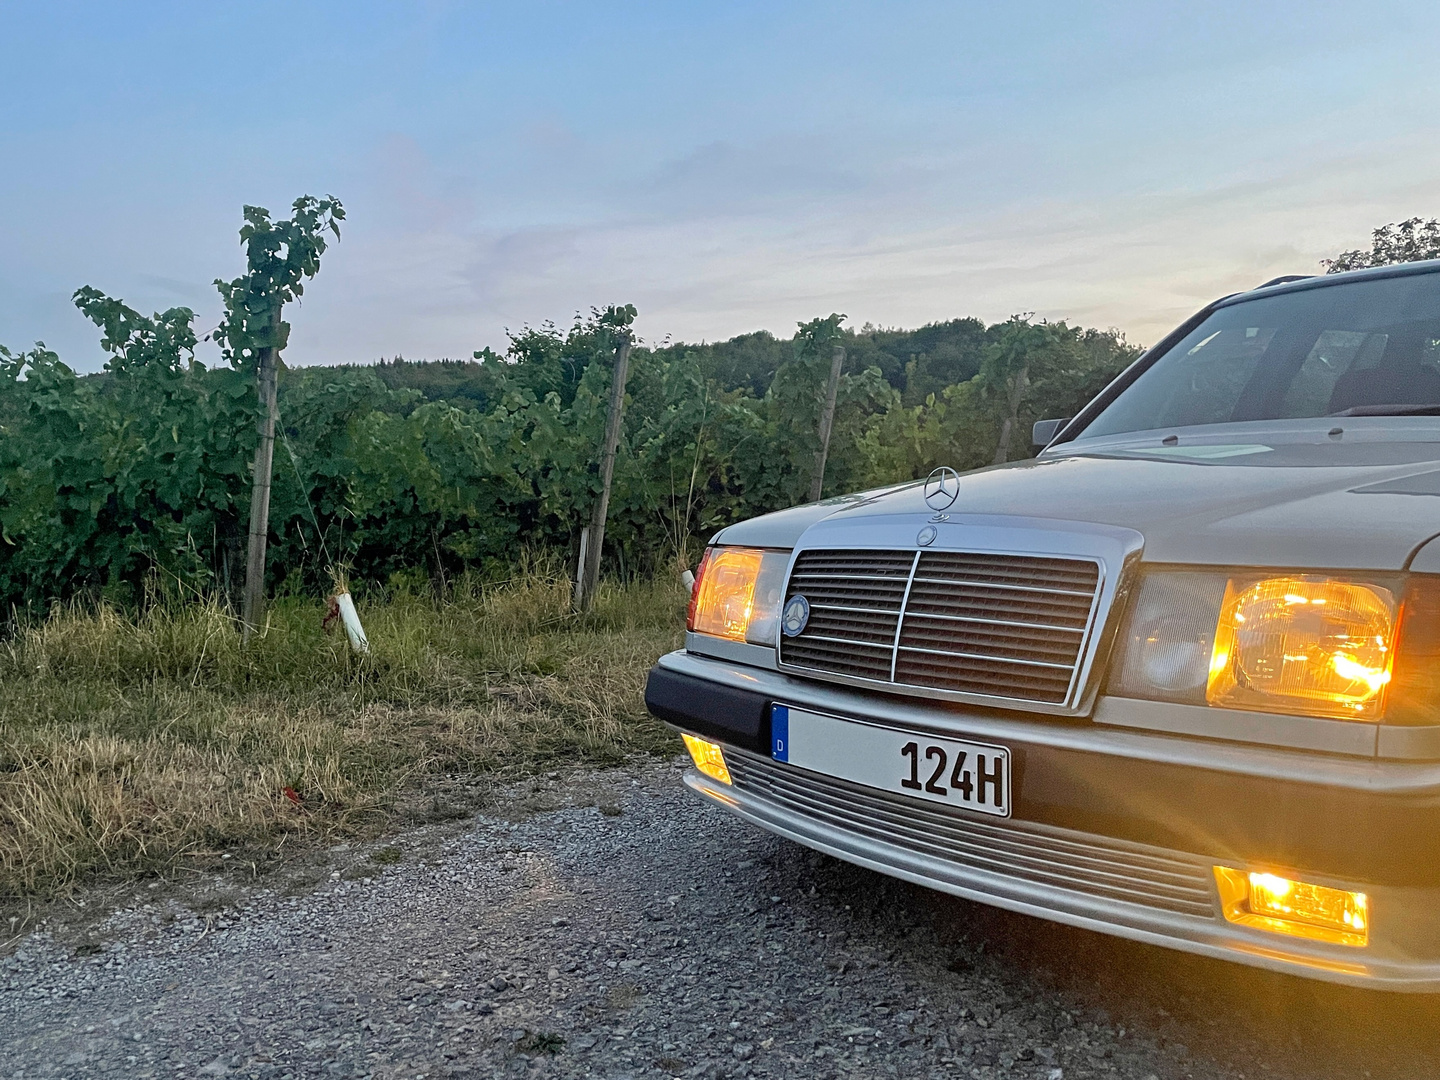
(722, 166)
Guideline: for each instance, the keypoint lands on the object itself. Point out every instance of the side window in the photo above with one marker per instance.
(1430, 356)
(1335, 352)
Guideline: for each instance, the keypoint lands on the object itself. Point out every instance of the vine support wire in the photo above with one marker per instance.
(300, 481)
(344, 603)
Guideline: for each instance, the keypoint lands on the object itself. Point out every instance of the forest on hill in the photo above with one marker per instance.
(915, 363)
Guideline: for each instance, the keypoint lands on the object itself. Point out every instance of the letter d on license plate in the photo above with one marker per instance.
(967, 775)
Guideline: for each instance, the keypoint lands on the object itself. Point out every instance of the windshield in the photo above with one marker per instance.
(1354, 348)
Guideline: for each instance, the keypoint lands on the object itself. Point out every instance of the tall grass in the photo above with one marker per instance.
(131, 744)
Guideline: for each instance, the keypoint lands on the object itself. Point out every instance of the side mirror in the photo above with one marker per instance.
(1044, 431)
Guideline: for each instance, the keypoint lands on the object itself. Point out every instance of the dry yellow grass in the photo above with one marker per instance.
(129, 745)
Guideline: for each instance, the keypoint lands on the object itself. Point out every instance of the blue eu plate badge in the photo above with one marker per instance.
(780, 732)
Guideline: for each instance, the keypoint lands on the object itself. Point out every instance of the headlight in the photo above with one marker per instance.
(737, 594)
(1170, 637)
(1303, 644)
(1300, 644)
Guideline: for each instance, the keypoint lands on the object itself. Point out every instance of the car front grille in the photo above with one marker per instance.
(1096, 866)
(973, 623)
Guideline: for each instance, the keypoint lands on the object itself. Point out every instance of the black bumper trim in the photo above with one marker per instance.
(727, 713)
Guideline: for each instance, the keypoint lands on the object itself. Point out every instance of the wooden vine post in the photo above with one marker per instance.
(827, 419)
(267, 377)
(593, 539)
(279, 256)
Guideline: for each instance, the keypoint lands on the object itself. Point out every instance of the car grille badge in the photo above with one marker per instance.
(795, 617)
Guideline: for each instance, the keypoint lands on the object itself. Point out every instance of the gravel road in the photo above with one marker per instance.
(608, 924)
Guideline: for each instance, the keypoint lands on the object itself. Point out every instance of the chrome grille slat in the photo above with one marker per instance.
(928, 599)
(849, 641)
(912, 614)
(981, 656)
(991, 651)
(999, 585)
(1039, 570)
(1093, 865)
(1002, 626)
(970, 638)
(865, 627)
(832, 595)
(873, 665)
(850, 576)
(857, 610)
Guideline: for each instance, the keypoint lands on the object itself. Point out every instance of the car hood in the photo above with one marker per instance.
(1357, 504)
(783, 528)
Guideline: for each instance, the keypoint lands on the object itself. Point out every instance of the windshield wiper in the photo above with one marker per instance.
(1390, 410)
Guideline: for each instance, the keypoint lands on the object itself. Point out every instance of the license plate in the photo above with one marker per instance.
(971, 776)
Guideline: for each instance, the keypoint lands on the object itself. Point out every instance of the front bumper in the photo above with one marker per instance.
(1114, 830)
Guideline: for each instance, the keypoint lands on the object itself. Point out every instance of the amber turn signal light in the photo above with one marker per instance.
(723, 599)
(708, 758)
(1414, 692)
(1297, 908)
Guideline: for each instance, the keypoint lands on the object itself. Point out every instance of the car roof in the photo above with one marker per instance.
(1324, 281)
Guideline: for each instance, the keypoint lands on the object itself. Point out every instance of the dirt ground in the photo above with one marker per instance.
(608, 924)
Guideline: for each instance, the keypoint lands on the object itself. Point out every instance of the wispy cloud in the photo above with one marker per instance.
(724, 170)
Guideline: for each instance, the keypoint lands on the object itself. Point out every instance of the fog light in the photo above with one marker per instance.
(708, 758)
(1297, 908)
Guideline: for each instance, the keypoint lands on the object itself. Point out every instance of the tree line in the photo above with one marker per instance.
(110, 484)
(139, 478)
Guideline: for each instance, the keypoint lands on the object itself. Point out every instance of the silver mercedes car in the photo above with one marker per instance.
(1177, 678)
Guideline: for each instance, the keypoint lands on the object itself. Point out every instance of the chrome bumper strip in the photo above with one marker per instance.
(1207, 936)
(1096, 866)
